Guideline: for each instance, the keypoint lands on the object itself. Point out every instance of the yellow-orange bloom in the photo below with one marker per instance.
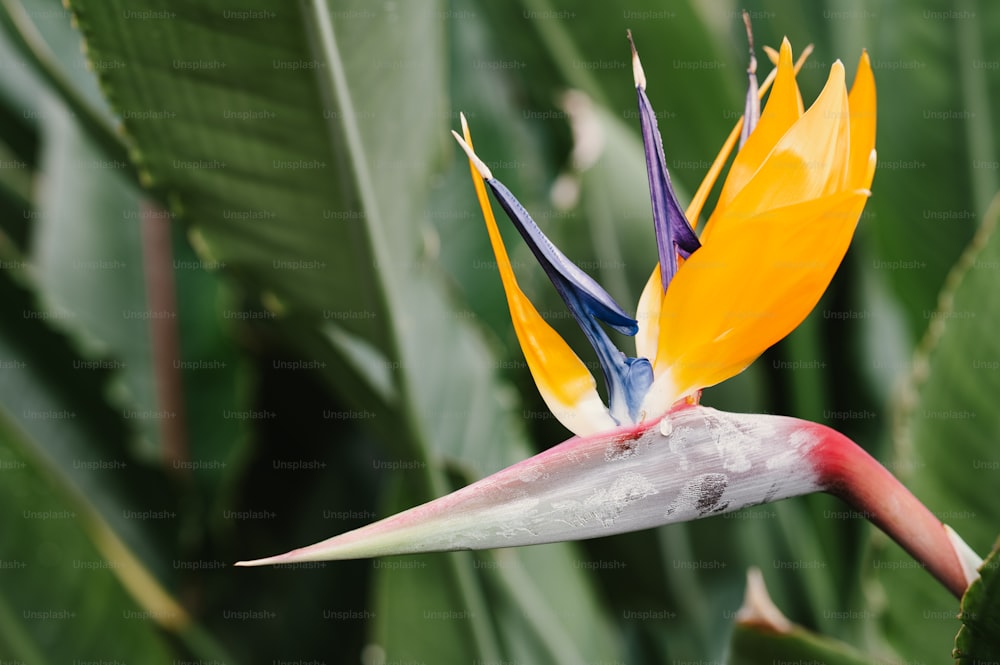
(784, 219)
(781, 227)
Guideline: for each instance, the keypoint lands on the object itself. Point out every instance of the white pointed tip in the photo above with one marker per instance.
(484, 170)
(321, 551)
(758, 608)
(637, 73)
(465, 123)
(967, 557)
(870, 168)
(749, 28)
(267, 561)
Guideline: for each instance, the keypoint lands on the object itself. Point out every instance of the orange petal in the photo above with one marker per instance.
(565, 383)
(808, 162)
(862, 108)
(783, 109)
(746, 290)
(694, 208)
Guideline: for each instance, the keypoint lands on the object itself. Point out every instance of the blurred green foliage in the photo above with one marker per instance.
(248, 303)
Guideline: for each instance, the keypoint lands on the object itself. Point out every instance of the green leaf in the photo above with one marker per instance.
(763, 635)
(522, 582)
(60, 596)
(929, 195)
(946, 442)
(417, 616)
(76, 500)
(94, 280)
(44, 392)
(87, 250)
(295, 176)
(948, 413)
(978, 641)
(41, 33)
(756, 645)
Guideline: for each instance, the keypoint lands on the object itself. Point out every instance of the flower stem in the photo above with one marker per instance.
(851, 474)
(161, 296)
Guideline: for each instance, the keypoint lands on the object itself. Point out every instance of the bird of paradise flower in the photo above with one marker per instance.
(714, 302)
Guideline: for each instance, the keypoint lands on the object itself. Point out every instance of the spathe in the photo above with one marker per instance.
(695, 462)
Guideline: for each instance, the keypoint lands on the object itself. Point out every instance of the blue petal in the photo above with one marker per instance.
(673, 232)
(638, 380)
(628, 379)
(593, 297)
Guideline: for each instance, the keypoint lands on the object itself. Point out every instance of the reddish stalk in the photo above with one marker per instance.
(848, 472)
(161, 297)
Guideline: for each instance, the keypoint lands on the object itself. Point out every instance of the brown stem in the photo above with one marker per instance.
(848, 472)
(163, 328)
